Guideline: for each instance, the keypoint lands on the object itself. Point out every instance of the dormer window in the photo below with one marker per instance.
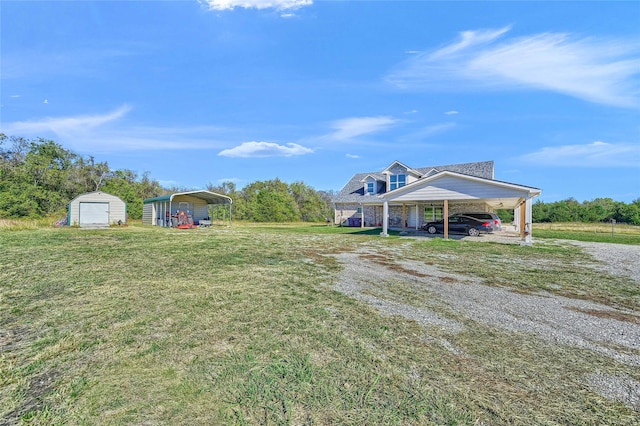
(397, 181)
(371, 187)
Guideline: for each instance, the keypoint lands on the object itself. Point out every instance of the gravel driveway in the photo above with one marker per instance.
(553, 318)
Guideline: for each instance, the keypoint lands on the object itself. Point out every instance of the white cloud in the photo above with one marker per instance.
(452, 112)
(429, 131)
(596, 154)
(256, 4)
(469, 39)
(596, 70)
(65, 126)
(351, 127)
(352, 156)
(100, 133)
(265, 149)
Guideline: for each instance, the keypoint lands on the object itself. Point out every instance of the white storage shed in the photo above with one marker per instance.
(96, 209)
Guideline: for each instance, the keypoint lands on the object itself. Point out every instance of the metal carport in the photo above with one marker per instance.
(160, 211)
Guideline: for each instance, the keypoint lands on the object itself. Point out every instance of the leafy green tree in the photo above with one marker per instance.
(272, 206)
(629, 213)
(133, 191)
(267, 201)
(311, 204)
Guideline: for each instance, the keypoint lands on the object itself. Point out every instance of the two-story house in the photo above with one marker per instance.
(404, 197)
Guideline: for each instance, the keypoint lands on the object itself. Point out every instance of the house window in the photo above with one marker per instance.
(397, 181)
(433, 213)
(370, 187)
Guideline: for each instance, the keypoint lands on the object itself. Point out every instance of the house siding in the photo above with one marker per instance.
(451, 188)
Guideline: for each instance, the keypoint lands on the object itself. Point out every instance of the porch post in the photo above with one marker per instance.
(417, 218)
(445, 213)
(525, 222)
(385, 219)
(523, 219)
(404, 217)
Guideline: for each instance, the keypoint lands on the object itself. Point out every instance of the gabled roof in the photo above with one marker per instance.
(454, 186)
(398, 163)
(421, 182)
(353, 191)
(208, 196)
(379, 178)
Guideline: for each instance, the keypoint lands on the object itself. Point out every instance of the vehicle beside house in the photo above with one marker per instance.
(486, 216)
(403, 197)
(460, 224)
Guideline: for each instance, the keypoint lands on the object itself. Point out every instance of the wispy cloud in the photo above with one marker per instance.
(265, 149)
(602, 71)
(256, 4)
(352, 156)
(63, 126)
(596, 154)
(426, 132)
(101, 133)
(352, 127)
(452, 112)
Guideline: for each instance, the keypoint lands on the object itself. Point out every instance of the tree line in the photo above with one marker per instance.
(597, 210)
(38, 178)
(571, 210)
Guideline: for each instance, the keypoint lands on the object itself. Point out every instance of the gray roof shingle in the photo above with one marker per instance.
(353, 191)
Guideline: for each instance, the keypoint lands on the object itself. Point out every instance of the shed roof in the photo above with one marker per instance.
(208, 196)
(96, 194)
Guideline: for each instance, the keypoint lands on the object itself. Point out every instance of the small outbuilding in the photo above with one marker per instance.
(186, 209)
(96, 209)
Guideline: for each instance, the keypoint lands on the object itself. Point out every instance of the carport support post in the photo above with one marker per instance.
(445, 213)
(522, 220)
(385, 219)
(525, 222)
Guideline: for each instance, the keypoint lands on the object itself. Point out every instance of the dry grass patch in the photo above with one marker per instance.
(242, 325)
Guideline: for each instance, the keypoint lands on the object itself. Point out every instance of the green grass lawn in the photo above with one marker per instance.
(241, 325)
(590, 232)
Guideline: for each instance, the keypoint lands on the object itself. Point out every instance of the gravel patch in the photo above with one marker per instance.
(553, 318)
(556, 319)
(619, 388)
(615, 259)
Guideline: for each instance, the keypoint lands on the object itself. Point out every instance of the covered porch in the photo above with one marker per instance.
(449, 189)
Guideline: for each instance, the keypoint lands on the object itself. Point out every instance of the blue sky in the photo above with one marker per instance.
(198, 92)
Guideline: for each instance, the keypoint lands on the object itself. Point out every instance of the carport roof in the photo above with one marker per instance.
(208, 196)
(446, 186)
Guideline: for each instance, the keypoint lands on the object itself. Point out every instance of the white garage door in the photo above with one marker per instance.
(94, 213)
